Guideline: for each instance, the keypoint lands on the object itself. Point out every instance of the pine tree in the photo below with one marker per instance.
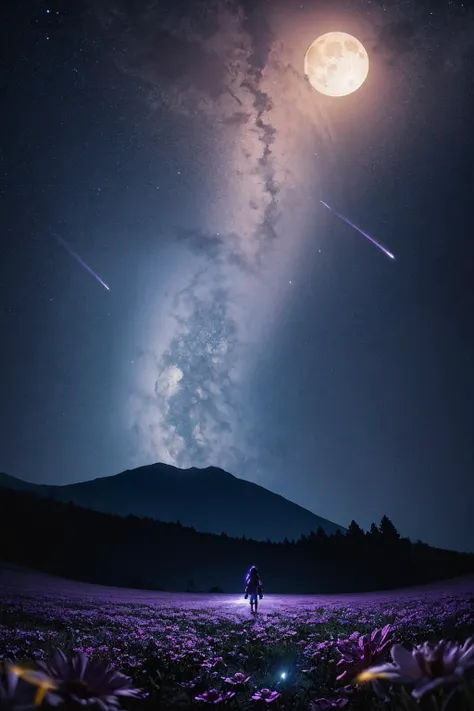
(388, 530)
(355, 532)
(374, 531)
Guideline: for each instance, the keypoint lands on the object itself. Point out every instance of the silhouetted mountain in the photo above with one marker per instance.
(11, 482)
(210, 500)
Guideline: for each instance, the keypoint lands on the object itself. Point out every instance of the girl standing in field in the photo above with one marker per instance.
(253, 588)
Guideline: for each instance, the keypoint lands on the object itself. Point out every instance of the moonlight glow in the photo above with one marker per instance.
(336, 64)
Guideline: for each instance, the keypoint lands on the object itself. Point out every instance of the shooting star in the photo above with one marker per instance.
(64, 244)
(364, 234)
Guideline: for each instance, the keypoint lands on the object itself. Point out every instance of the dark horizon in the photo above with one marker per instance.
(137, 552)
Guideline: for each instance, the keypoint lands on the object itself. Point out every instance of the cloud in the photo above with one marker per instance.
(217, 248)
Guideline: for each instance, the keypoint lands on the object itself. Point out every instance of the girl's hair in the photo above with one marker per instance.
(253, 572)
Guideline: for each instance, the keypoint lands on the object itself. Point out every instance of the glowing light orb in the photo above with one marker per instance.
(336, 64)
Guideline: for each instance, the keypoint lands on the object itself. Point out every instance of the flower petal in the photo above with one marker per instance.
(404, 659)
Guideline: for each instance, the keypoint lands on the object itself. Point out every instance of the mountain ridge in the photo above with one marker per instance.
(214, 501)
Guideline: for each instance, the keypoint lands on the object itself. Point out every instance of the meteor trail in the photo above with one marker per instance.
(64, 244)
(364, 234)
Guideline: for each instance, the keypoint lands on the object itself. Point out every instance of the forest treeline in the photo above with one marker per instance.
(86, 545)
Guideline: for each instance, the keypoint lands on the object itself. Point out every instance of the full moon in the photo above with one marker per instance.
(336, 64)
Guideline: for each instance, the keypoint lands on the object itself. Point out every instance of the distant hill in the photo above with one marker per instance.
(11, 482)
(210, 500)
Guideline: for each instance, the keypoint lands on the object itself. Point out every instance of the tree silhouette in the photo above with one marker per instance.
(388, 530)
(374, 531)
(355, 532)
(321, 533)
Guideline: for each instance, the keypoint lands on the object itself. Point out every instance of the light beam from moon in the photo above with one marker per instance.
(73, 254)
(364, 234)
(336, 64)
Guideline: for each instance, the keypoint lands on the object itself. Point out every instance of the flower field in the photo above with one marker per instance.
(188, 650)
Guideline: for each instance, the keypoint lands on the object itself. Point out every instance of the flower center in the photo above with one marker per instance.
(77, 687)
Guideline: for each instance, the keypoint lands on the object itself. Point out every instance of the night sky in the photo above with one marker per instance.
(181, 153)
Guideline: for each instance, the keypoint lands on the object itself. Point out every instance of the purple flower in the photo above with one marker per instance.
(213, 696)
(9, 683)
(85, 681)
(17, 687)
(359, 654)
(238, 679)
(426, 667)
(266, 695)
(15, 694)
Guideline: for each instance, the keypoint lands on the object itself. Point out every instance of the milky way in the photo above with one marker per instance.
(237, 75)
